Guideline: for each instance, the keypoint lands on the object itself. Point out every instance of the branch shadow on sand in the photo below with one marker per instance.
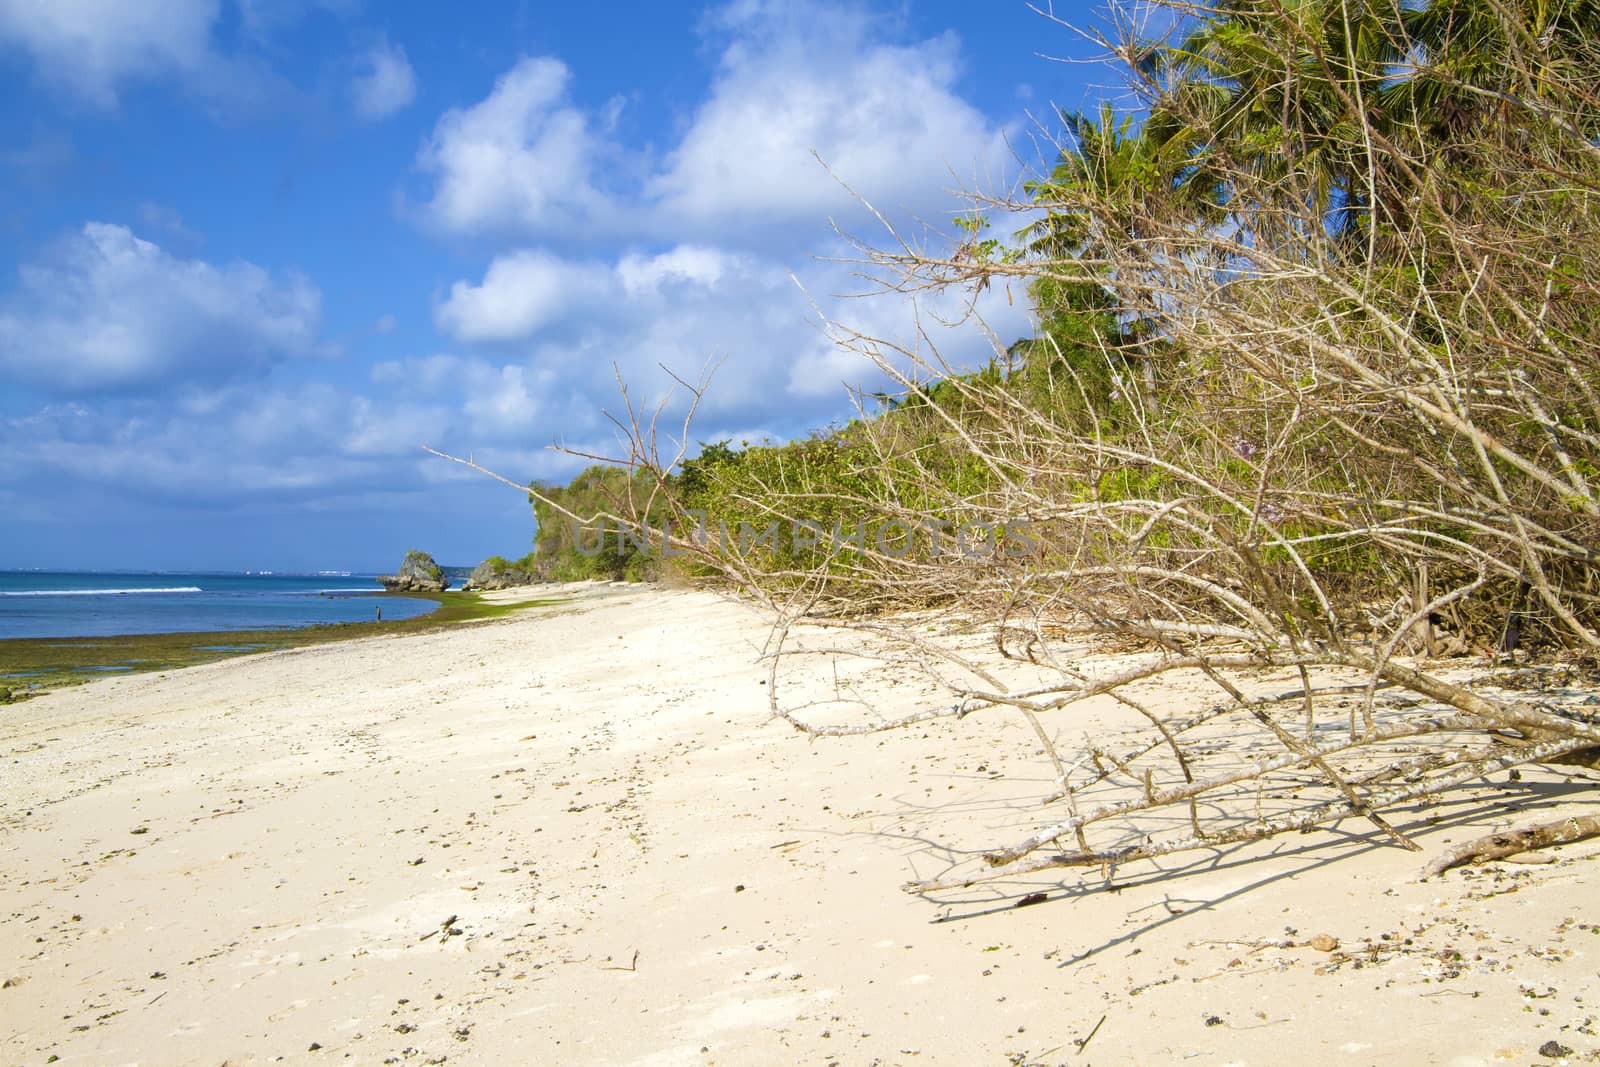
(1278, 860)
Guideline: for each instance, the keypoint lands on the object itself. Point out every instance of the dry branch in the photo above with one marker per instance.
(1498, 846)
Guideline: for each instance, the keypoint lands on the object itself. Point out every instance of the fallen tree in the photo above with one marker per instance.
(1313, 397)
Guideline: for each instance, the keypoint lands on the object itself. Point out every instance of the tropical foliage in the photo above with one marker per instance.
(1337, 263)
(596, 527)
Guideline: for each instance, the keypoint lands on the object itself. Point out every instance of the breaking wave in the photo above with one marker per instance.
(104, 592)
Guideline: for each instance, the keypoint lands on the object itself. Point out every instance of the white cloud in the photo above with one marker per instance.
(700, 279)
(694, 264)
(255, 440)
(885, 119)
(283, 421)
(326, 445)
(575, 325)
(387, 83)
(506, 401)
(533, 295)
(520, 294)
(109, 311)
(88, 46)
(311, 438)
(521, 160)
(796, 94)
(498, 402)
(392, 428)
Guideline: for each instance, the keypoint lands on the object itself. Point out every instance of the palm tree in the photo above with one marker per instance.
(1282, 95)
(1343, 104)
(1288, 120)
(1474, 61)
(1112, 184)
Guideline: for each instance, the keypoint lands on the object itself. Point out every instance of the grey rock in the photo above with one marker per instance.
(418, 573)
(497, 574)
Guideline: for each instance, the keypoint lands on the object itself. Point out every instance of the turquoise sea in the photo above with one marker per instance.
(105, 604)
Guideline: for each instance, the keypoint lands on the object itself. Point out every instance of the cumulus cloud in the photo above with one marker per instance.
(520, 294)
(520, 160)
(885, 118)
(694, 264)
(109, 311)
(507, 402)
(89, 47)
(386, 82)
(527, 292)
(793, 91)
(714, 267)
(574, 325)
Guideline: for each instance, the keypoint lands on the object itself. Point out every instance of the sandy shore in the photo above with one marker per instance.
(575, 836)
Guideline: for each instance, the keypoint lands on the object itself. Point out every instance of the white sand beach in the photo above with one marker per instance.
(576, 836)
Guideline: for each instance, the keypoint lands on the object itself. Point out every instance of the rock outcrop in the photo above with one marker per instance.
(418, 573)
(497, 573)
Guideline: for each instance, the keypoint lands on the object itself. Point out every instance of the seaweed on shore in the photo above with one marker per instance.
(30, 666)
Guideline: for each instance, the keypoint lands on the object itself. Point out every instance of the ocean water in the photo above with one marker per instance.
(89, 604)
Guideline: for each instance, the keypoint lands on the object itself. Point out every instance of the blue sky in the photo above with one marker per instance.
(255, 253)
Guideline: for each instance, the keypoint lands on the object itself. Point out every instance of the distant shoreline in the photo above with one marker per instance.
(30, 666)
(99, 604)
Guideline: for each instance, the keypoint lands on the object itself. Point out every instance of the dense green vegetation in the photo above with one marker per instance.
(1318, 319)
(500, 563)
(590, 527)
